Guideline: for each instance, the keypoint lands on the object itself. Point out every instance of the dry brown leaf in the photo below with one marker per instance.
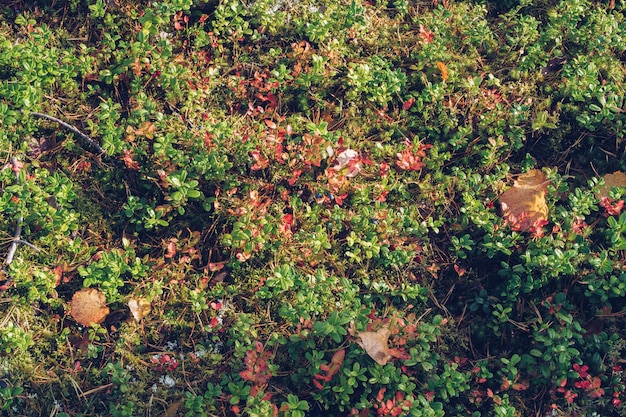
(171, 410)
(375, 344)
(139, 308)
(524, 204)
(616, 179)
(89, 306)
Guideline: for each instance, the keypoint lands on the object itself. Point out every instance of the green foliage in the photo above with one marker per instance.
(281, 177)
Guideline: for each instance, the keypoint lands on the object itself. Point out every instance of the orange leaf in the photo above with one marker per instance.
(524, 204)
(444, 70)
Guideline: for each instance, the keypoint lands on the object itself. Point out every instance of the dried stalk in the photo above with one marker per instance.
(18, 228)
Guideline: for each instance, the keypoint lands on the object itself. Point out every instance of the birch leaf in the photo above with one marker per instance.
(89, 307)
(524, 204)
(376, 344)
(616, 179)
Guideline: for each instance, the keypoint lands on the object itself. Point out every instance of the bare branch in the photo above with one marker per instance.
(18, 228)
(88, 143)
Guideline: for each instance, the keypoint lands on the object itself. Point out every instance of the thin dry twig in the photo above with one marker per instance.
(87, 143)
(18, 228)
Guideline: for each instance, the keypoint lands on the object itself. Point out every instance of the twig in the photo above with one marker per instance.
(30, 245)
(18, 228)
(88, 143)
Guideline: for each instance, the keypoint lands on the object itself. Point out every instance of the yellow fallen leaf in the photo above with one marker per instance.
(89, 307)
(524, 204)
(375, 344)
(616, 179)
(444, 70)
(139, 308)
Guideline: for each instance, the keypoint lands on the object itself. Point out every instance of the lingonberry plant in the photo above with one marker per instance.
(313, 208)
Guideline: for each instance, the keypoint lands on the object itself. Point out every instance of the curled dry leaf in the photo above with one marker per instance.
(616, 179)
(139, 308)
(376, 344)
(89, 307)
(524, 204)
(349, 160)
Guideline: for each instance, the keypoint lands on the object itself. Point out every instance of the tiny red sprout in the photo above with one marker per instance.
(596, 390)
(260, 161)
(340, 198)
(381, 394)
(171, 249)
(585, 384)
(411, 159)
(570, 396)
(164, 361)
(294, 176)
(579, 226)
(235, 409)
(384, 169)
(537, 230)
(216, 266)
(286, 223)
(83, 166)
(216, 305)
(520, 386)
(612, 209)
(581, 370)
(129, 161)
(616, 400)
(242, 257)
(408, 104)
(505, 384)
(426, 35)
(382, 197)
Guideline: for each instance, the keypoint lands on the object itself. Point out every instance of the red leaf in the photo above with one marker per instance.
(129, 161)
(270, 124)
(261, 162)
(216, 266)
(408, 104)
(426, 35)
(171, 250)
(295, 176)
